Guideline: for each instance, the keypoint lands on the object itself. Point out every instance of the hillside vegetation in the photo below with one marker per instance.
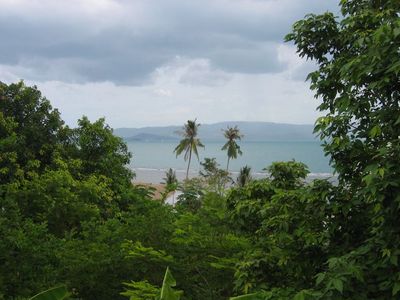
(70, 215)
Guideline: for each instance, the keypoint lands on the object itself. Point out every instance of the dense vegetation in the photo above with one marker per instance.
(70, 215)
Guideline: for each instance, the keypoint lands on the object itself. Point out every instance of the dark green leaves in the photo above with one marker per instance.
(358, 83)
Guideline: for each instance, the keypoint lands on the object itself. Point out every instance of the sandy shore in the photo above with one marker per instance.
(159, 190)
(155, 176)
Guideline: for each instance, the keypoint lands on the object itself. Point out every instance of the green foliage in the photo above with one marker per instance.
(10, 169)
(104, 254)
(273, 294)
(171, 184)
(143, 290)
(68, 211)
(137, 251)
(288, 232)
(190, 197)
(26, 255)
(215, 178)
(357, 81)
(60, 200)
(206, 250)
(34, 126)
(244, 176)
(101, 152)
(287, 175)
(170, 177)
(67, 203)
(167, 292)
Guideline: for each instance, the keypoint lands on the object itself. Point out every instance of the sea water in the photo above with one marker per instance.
(159, 156)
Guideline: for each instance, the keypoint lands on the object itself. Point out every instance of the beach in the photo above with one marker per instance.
(155, 176)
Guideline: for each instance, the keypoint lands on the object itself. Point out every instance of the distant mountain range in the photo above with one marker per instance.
(252, 131)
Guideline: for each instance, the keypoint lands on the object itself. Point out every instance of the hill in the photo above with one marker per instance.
(253, 132)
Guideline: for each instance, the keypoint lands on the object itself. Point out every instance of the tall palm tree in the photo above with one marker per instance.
(232, 134)
(189, 143)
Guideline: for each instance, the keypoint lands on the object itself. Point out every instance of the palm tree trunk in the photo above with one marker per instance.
(227, 165)
(187, 171)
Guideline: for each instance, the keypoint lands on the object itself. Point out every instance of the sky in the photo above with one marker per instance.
(161, 62)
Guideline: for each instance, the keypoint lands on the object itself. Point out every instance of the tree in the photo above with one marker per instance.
(287, 175)
(286, 230)
(244, 176)
(170, 177)
(233, 149)
(358, 82)
(143, 290)
(215, 178)
(189, 143)
(34, 126)
(171, 184)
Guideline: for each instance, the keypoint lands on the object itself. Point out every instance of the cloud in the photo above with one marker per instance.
(185, 88)
(124, 42)
(297, 69)
(144, 63)
(190, 72)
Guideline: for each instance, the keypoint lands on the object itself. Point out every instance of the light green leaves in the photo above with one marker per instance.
(142, 290)
(57, 293)
(375, 131)
(253, 296)
(338, 284)
(396, 288)
(167, 291)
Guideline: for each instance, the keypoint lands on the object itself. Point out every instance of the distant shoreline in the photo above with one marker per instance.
(155, 176)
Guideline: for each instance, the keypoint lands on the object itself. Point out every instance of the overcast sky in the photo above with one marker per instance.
(161, 62)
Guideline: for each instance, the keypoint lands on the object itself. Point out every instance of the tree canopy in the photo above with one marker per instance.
(70, 215)
(358, 82)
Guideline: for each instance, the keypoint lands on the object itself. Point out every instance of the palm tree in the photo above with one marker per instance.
(189, 143)
(232, 134)
(171, 184)
(244, 176)
(170, 177)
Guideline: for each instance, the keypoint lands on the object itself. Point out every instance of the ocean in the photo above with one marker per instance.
(150, 160)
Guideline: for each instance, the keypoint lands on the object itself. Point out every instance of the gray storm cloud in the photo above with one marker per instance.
(145, 63)
(125, 41)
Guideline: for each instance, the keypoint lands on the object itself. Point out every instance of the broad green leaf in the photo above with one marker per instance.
(320, 278)
(300, 296)
(396, 288)
(338, 284)
(397, 122)
(254, 296)
(57, 293)
(375, 131)
(167, 292)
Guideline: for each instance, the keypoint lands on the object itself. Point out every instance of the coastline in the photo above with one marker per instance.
(155, 176)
